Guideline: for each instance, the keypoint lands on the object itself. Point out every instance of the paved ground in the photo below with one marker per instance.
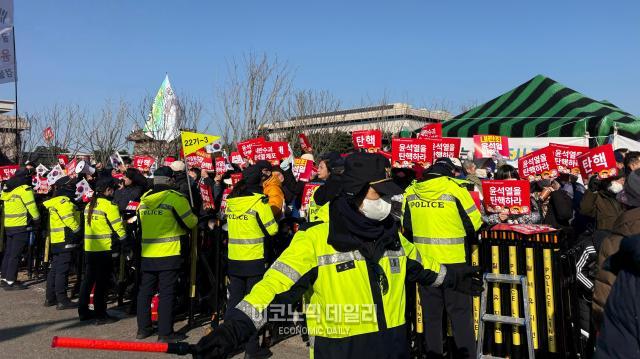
(26, 329)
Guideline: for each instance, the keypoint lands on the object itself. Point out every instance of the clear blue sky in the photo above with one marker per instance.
(416, 51)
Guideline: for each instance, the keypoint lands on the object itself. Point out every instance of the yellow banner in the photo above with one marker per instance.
(192, 141)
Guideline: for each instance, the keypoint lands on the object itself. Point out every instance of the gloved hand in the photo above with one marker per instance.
(467, 280)
(286, 163)
(217, 344)
(595, 184)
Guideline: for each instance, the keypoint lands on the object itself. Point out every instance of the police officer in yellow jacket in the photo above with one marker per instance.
(439, 217)
(250, 223)
(21, 218)
(165, 216)
(360, 263)
(64, 235)
(103, 234)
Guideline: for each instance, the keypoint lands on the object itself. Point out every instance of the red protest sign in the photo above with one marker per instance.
(431, 130)
(600, 161)
(221, 165)
(71, 167)
(207, 196)
(235, 178)
(566, 157)
(8, 171)
(538, 163)
(246, 147)
(304, 142)
(271, 151)
(486, 146)
(407, 151)
(445, 147)
(200, 159)
(223, 201)
(42, 185)
(506, 194)
(143, 163)
(236, 158)
(48, 134)
(524, 228)
(367, 139)
(132, 206)
(63, 160)
(307, 192)
(302, 169)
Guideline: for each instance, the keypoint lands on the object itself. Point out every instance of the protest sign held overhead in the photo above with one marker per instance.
(511, 195)
(431, 130)
(405, 152)
(486, 146)
(538, 163)
(600, 161)
(370, 140)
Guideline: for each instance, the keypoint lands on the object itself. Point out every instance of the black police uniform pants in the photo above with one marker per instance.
(97, 272)
(239, 287)
(58, 277)
(165, 282)
(11, 260)
(459, 309)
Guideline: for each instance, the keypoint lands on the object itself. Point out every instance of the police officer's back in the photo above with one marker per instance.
(21, 218)
(165, 216)
(439, 217)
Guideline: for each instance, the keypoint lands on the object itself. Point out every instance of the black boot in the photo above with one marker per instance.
(66, 305)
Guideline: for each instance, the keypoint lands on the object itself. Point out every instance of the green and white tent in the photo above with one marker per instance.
(542, 107)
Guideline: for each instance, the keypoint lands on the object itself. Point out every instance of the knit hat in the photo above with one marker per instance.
(363, 169)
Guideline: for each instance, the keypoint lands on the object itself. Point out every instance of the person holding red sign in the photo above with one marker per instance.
(508, 172)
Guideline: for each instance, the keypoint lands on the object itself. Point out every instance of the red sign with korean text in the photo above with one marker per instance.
(71, 167)
(41, 185)
(246, 147)
(235, 178)
(8, 171)
(367, 139)
(445, 147)
(538, 163)
(304, 142)
(223, 201)
(207, 196)
(302, 169)
(506, 194)
(200, 159)
(271, 151)
(566, 157)
(431, 130)
(236, 158)
(600, 161)
(307, 192)
(407, 151)
(132, 206)
(486, 146)
(221, 165)
(143, 163)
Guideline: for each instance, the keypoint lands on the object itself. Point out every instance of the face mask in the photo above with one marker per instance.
(615, 187)
(377, 209)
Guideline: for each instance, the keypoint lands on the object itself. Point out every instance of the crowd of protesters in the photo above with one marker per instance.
(600, 217)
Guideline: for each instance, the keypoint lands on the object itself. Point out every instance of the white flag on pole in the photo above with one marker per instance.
(163, 120)
(6, 13)
(7, 56)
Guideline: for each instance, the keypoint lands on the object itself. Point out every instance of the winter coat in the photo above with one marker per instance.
(603, 207)
(620, 335)
(628, 224)
(127, 194)
(272, 187)
(560, 211)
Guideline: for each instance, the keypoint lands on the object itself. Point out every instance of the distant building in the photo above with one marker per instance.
(388, 118)
(10, 131)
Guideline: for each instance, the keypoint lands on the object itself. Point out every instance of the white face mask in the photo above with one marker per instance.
(376, 209)
(616, 187)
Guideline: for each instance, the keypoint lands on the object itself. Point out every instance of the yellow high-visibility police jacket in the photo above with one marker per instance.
(159, 213)
(64, 221)
(105, 221)
(439, 214)
(19, 204)
(348, 302)
(316, 212)
(249, 222)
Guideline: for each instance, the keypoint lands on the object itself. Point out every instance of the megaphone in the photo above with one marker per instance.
(84, 167)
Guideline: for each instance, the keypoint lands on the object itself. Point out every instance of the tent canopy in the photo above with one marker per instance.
(542, 107)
